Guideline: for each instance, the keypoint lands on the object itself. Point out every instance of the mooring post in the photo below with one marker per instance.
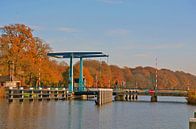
(41, 92)
(194, 114)
(22, 94)
(192, 123)
(154, 98)
(63, 94)
(10, 95)
(56, 94)
(153, 95)
(136, 97)
(30, 94)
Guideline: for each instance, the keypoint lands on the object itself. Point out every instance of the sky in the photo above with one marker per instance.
(133, 32)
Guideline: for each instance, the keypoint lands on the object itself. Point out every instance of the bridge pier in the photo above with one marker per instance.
(22, 95)
(130, 95)
(192, 122)
(127, 97)
(120, 97)
(153, 98)
(104, 96)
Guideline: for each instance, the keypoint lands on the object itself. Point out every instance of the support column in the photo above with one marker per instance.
(81, 82)
(154, 98)
(71, 75)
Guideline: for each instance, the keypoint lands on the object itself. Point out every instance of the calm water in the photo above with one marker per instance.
(86, 115)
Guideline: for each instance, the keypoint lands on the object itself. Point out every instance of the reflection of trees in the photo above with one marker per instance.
(20, 115)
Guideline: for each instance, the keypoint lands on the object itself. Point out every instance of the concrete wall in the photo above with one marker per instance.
(104, 96)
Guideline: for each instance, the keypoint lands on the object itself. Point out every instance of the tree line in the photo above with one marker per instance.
(25, 57)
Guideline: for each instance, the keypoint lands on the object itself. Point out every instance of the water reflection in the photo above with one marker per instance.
(86, 115)
(105, 116)
(27, 114)
(75, 115)
(69, 115)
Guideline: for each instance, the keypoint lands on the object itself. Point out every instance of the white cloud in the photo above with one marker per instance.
(68, 29)
(36, 27)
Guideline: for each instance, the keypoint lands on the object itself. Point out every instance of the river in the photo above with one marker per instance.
(86, 115)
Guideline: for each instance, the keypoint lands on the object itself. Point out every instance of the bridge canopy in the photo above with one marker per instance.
(82, 54)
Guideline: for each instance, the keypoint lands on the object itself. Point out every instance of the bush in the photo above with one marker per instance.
(191, 97)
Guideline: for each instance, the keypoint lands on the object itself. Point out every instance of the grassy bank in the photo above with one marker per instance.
(2, 92)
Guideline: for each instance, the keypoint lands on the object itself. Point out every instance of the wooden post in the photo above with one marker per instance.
(153, 98)
(136, 95)
(22, 94)
(10, 95)
(63, 94)
(56, 94)
(30, 94)
(194, 114)
(40, 96)
(192, 123)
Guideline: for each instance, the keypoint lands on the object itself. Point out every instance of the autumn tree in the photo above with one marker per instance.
(28, 56)
(117, 75)
(86, 74)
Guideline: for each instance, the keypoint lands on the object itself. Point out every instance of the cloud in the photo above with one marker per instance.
(68, 29)
(117, 32)
(36, 27)
(112, 1)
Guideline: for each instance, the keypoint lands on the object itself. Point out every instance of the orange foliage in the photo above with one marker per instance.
(89, 79)
(28, 56)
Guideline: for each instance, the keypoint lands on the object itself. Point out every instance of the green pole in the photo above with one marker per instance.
(71, 75)
(81, 83)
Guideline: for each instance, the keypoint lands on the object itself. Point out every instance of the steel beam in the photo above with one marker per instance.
(81, 82)
(71, 75)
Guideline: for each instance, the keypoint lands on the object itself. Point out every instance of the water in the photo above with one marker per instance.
(86, 115)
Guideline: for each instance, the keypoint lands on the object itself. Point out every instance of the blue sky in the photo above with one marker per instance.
(132, 32)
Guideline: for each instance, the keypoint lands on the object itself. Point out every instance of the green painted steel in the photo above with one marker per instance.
(81, 82)
(71, 75)
(80, 55)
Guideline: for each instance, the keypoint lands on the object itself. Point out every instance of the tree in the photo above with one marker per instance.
(28, 54)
